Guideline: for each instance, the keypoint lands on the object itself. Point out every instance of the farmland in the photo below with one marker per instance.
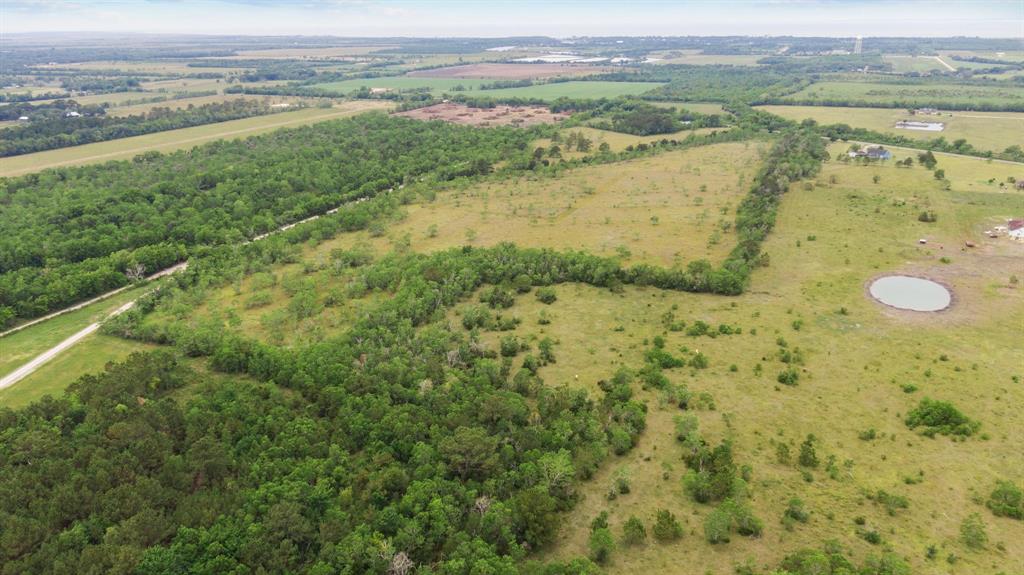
(127, 148)
(984, 130)
(509, 71)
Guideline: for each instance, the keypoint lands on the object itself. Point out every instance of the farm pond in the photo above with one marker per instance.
(910, 293)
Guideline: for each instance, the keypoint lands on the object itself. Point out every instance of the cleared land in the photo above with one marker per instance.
(916, 95)
(171, 140)
(617, 141)
(497, 116)
(983, 130)
(508, 71)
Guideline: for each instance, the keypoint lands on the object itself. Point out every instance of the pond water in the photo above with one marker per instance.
(906, 292)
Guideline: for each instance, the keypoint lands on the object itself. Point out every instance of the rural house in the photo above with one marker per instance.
(872, 152)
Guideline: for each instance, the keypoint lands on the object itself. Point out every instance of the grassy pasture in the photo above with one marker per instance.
(606, 209)
(923, 95)
(171, 140)
(855, 365)
(984, 130)
(184, 85)
(400, 83)
(313, 53)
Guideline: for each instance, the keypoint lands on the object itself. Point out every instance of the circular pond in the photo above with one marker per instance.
(906, 292)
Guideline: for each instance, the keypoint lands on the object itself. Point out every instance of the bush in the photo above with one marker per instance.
(601, 545)
(972, 532)
(717, 525)
(940, 417)
(666, 527)
(634, 532)
(1006, 500)
(546, 295)
(808, 456)
(789, 377)
(795, 511)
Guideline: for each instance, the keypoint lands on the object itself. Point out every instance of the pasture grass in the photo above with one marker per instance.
(855, 365)
(171, 140)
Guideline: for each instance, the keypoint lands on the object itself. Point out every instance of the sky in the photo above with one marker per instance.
(558, 18)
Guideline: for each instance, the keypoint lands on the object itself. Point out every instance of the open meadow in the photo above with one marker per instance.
(126, 148)
(993, 131)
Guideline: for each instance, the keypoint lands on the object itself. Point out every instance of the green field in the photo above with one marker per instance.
(984, 130)
(171, 140)
(696, 58)
(911, 95)
(400, 83)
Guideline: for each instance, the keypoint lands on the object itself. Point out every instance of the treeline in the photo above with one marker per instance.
(898, 103)
(48, 110)
(100, 84)
(643, 119)
(67, 234)
(835, 132)
(60, 131)
(797, 155)
(713, 83)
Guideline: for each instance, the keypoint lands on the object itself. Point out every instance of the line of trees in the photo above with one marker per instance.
(70, 234)
(54, 131)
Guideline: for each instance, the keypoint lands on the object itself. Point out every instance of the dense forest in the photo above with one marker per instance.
(72, 233)
(60, 131)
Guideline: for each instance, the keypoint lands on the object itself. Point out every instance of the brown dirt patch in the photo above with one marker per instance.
(496, 116)
(509, 71)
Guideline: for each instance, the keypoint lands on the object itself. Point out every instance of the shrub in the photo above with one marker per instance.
(602, 544)
(599, 522)
(972, 532)
(546, 295)
(717, 526)
(666, 527)
(940, 417)
(808, 456)
(795, 511)
(498, 297)
(1006, 500)
(789, 377)
(634, 532)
